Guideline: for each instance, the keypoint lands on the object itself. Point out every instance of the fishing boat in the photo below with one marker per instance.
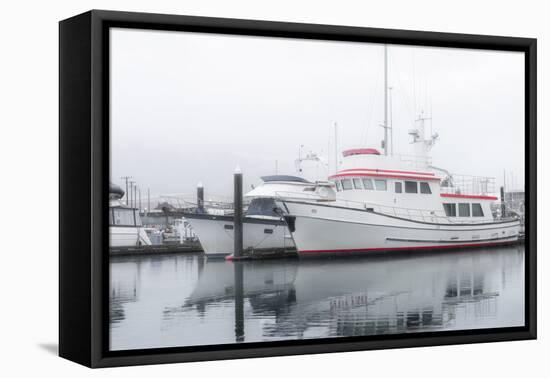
(125, 226)
(383, 205)
(263, 225)
(386, 202)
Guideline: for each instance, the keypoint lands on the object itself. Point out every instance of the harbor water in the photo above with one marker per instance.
(185, 300)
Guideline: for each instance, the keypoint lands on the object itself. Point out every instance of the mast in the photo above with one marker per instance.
(385, 99)
(391, 121)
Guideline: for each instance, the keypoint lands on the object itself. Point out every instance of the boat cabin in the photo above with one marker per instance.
(122, 216)
(392, 186)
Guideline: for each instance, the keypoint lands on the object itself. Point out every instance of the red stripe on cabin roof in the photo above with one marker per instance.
(389, 171)
(361, 151)
(366, 174)
(451, 195)
(423, 247)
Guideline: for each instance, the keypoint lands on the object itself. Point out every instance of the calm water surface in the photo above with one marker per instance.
(182, 300)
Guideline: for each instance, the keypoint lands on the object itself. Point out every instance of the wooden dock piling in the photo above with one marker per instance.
(200, 198)
(238, 214)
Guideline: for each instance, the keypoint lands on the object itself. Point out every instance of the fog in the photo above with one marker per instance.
(189, 108)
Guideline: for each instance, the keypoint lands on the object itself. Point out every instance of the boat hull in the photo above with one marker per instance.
(323, 229)
(215, 233)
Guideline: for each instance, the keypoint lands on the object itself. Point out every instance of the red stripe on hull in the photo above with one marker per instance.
(425, 248)
(451, 195)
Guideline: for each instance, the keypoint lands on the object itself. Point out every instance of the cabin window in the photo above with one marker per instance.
(380, 185)
(338, 185)
(425, 188)
(411, 187)
(367, 184)
(123, 217)
(357, 183)
(450, 209)
(262, 206)
(477, 211)
(346, 184)
(398, 187)
(463, 209)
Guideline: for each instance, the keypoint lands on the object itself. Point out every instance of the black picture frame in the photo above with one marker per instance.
(84, 179)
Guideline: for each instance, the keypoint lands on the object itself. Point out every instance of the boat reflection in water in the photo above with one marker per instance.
(185, 300)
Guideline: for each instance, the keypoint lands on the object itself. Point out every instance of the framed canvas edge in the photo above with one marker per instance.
(99, 150)
(315, 348)
(75, 166)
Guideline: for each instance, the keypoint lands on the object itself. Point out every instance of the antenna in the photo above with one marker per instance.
(431, 117)
(298, 161)
(328, 151)
(335, 147)
(422, 143)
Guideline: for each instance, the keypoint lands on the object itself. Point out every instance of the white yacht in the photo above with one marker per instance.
(125, 227)
(391, 203)
(263, 223)
(387, 202)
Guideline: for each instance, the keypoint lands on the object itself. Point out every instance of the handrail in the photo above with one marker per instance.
(298, 195)
(466, 184)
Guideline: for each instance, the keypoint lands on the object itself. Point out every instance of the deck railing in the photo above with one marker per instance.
(423, 215)
(471, 185)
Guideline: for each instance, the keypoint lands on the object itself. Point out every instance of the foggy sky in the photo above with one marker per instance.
(188, 107)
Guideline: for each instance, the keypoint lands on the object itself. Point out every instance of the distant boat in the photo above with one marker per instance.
(125, 227)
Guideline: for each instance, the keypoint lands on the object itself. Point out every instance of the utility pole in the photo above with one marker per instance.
(139, 194)
(135, 195)
(131, 203)
(126, 178)
(148, 201)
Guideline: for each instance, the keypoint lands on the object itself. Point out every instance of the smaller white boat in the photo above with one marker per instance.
(125, 227)
(263, 225)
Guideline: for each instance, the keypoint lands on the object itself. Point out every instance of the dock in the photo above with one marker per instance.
(264, 253)
(145, 250)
